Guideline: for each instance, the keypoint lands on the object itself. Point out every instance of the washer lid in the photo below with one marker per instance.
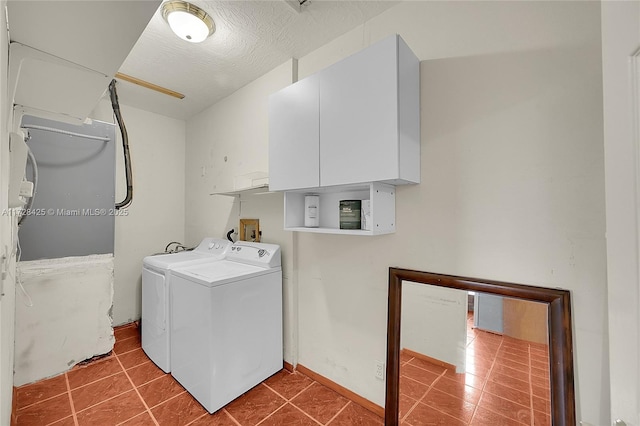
(168, 261)
(221, 272)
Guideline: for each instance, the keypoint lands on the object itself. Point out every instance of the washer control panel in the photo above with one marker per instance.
(259, 254)
(213, 246)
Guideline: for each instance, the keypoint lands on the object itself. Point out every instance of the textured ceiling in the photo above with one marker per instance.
(251, 38)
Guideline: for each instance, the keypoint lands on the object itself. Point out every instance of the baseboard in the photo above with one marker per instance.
(14, 407)
(423, 357)
(288, 367)
(371, 406)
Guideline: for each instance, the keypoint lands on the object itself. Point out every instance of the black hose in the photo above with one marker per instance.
(125, 146)
(166, 249)
(229, 235)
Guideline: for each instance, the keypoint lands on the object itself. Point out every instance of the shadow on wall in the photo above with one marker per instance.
(497, 133)
(495, 82)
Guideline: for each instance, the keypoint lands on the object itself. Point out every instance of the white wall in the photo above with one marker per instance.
(156, 216)
(225, 143)
(7, 302)
(63, 316)
(620, 39)
(426, 305)
(512, 182)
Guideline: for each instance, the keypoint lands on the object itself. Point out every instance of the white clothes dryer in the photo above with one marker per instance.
(226, 324)
(156, 284)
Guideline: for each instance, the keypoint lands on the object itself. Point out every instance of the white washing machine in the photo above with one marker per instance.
(226, 324)
(156, 284)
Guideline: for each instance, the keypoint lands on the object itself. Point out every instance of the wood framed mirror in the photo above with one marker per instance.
(561, 397)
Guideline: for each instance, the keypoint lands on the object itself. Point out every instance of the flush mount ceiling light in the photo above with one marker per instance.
(188, 21)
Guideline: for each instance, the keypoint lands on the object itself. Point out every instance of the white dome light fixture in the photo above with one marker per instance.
(188, 21)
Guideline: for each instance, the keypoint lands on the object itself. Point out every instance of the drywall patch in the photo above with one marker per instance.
(70, 317)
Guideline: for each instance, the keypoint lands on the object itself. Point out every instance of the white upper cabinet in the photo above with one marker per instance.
(364, 137)
(294, 136)
(355, 122)
(349, 132)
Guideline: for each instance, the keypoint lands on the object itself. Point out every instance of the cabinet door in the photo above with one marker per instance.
(294, 136)
(359, 117)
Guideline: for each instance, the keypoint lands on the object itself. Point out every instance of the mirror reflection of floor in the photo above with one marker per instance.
(506, 383)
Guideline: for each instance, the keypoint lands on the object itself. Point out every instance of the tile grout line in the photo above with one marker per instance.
(136, 390)
(152, 380)
(137, 415)
(502, 346)
(531, 390)
(423, 369)
(438, 409)
(528, 368)
(73, 408)
(123, 340)
(168, 399)
(104, 400)
(499, 413)
(431, 386)
(41, 401)
(404, 418)
(232, 418)
(68, 384)
(278, 393)
(57, 421)
(305, 413)
(298, 394)
(96, 381)
(272, 413)
(423, 383)
(506, 385)
(201, 416)
(450, 394)
(294, 396)
(74, 412)
(127, 352)
(339, 411)
(111, 397)
(290, 401)
(277, 409)
(493, 363)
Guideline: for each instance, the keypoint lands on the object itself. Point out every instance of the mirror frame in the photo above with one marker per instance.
(560, 335)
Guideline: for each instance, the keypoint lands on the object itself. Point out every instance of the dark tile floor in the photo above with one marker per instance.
(126, 388)
(506, 383)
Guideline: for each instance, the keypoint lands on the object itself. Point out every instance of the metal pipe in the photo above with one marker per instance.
(65, 132)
